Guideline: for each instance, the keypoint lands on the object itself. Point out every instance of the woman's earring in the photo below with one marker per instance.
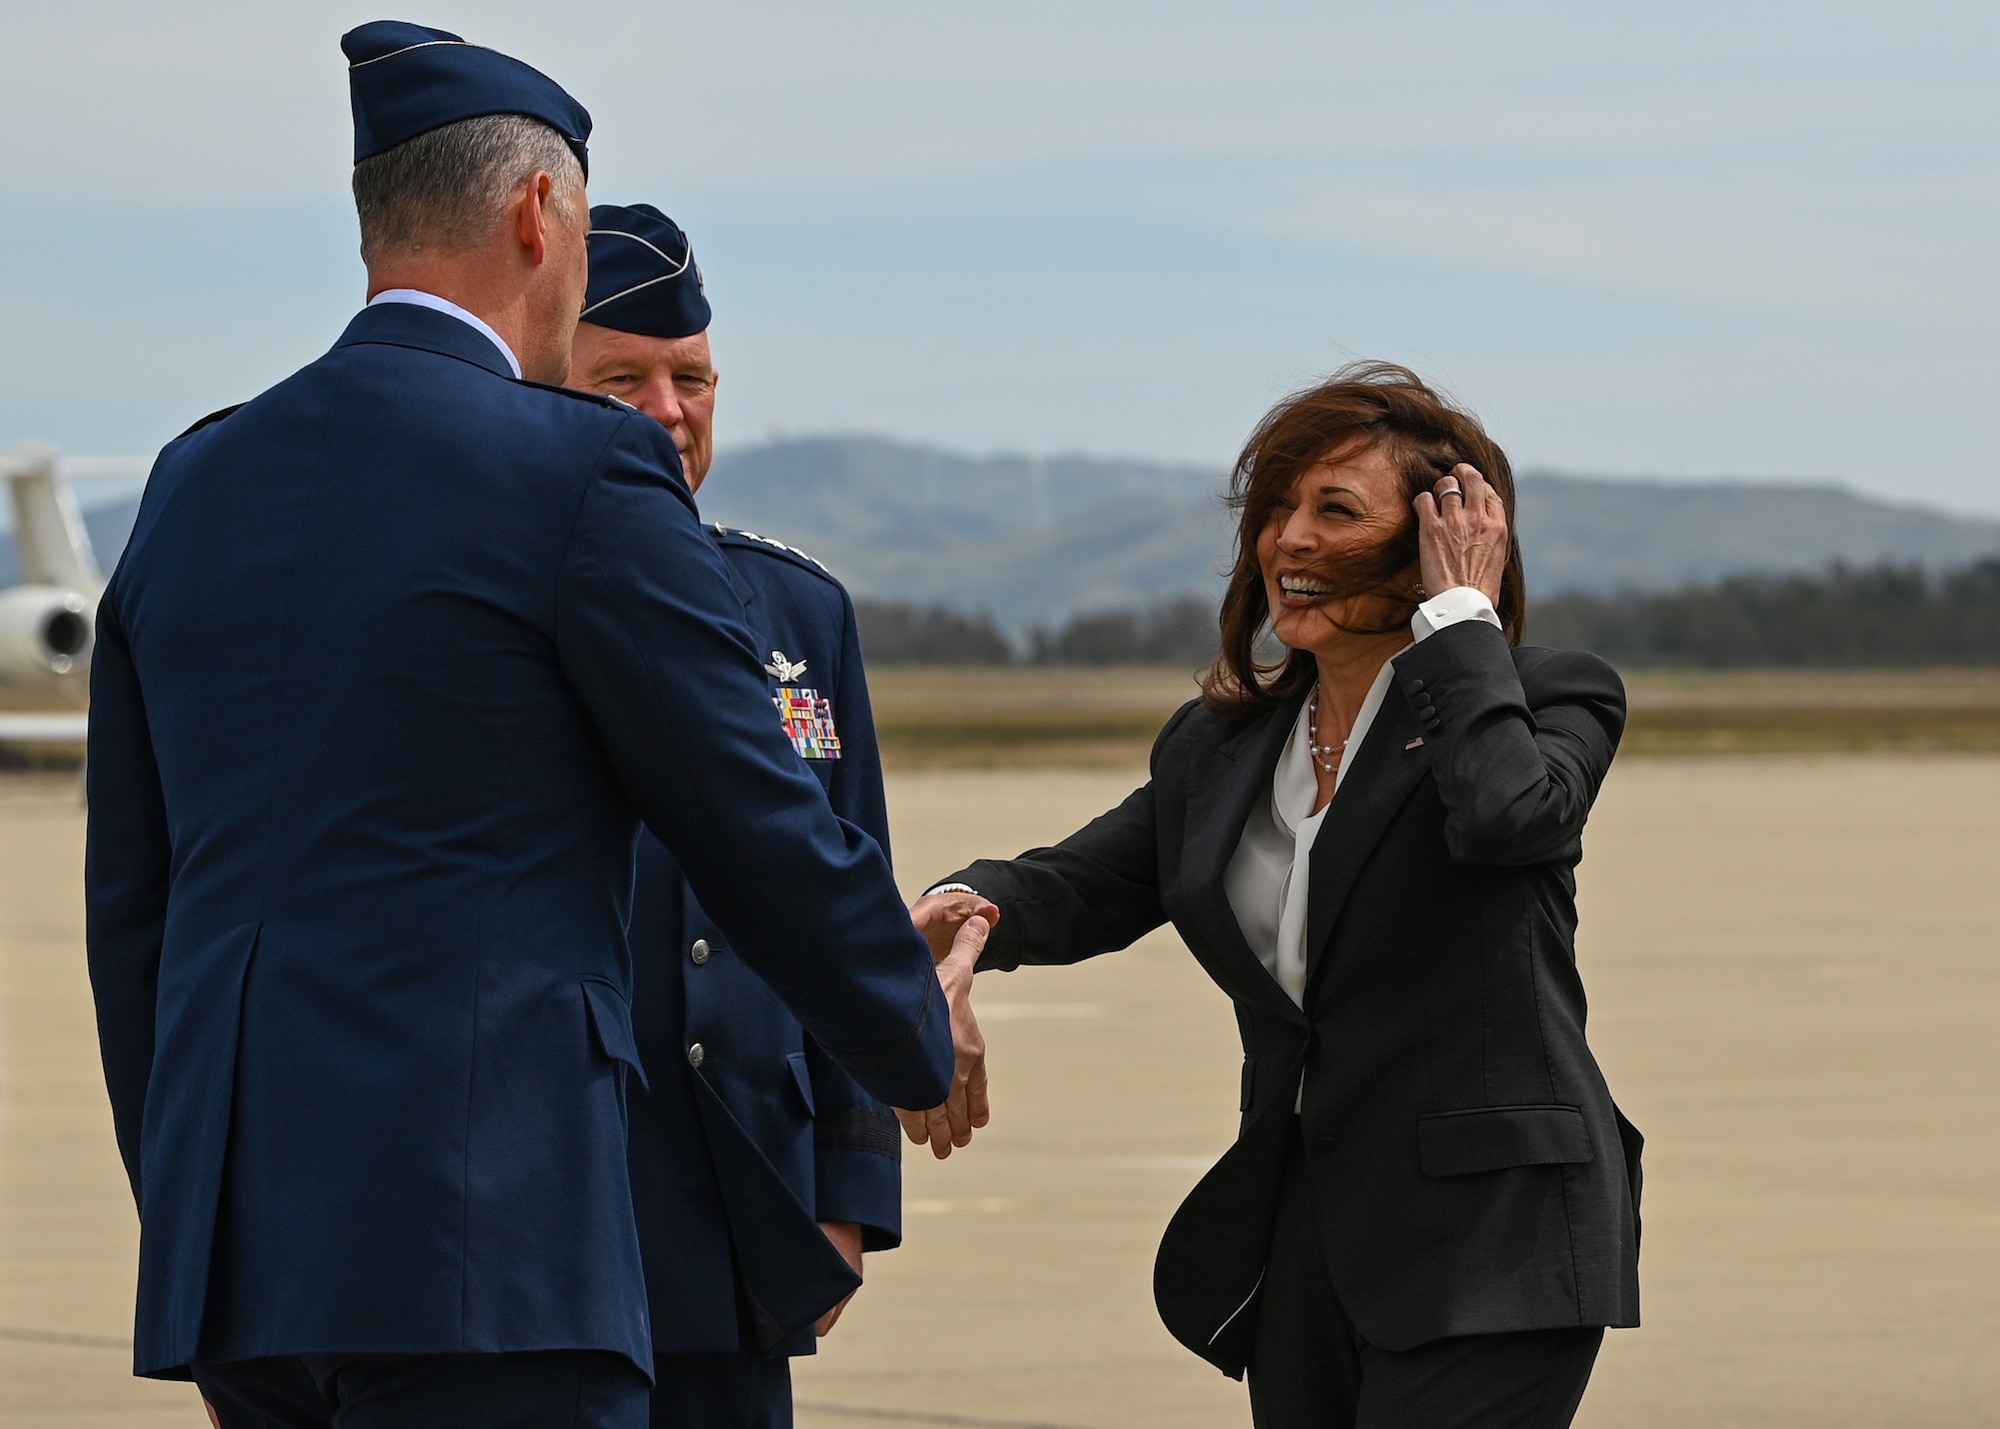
(1420, 590)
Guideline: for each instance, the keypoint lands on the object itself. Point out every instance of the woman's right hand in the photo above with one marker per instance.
(968, 1107)
(939, 916)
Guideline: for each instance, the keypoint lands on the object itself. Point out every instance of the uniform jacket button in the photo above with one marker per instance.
(699, 952)
(696, 1056)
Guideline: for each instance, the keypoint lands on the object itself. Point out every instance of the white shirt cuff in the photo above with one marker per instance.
(1449, 608)
(953, 888)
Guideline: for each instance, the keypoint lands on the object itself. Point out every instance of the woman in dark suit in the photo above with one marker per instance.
(1431, 1211)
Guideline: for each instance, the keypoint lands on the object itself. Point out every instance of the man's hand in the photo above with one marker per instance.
(939, 916)
(967, 1109)
(846, 1238)
(1462, 534)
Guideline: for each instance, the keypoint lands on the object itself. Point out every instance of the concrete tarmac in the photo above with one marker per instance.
(1795, 975)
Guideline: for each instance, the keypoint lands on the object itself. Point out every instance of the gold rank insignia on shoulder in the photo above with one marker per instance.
(808, 719)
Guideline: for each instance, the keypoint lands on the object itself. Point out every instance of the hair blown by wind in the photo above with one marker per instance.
(1364, 405)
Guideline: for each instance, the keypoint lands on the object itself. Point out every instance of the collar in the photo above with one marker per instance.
(416, 297)
(423, 329)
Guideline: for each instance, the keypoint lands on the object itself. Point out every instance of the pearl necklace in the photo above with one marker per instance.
(1321, 752)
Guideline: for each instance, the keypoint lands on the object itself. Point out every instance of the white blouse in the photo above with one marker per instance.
(1271, 873)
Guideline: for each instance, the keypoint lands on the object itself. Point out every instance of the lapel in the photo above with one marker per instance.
(1381, 778)
(1225, 781)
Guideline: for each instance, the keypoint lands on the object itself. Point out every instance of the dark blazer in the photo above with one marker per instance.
(793, 1140)
(400, 654)
(1471, 1172)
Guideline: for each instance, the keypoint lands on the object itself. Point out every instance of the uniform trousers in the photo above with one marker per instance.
(546, 1389)
(1311, 1369)
(737, 1390)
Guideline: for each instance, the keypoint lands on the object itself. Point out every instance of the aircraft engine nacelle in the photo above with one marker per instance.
(45, 637)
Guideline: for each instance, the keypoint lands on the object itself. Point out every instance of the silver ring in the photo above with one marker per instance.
(1454, 490)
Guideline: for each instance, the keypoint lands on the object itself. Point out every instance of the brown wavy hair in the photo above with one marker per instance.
(1362, 406)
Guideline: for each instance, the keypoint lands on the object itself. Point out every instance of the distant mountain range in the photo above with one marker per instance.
(1032, 540)
(1581, 533)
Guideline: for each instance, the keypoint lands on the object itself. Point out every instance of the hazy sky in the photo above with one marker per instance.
(1695, 239)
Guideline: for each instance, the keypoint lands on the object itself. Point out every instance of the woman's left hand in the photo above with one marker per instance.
(1462, 534)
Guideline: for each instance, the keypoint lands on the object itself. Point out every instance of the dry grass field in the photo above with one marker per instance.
(1820, 711)
(1794, 963)
(990, 716)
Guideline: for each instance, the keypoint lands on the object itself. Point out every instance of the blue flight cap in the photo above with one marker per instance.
(405, 80)
(643, 277)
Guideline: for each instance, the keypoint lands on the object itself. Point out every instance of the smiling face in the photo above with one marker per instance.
(1338, 555)
(671, 380)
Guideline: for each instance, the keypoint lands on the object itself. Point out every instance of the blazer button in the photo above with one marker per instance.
(696, 1056)
(699, 952)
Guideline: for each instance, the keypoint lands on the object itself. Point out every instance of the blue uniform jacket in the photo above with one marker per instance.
(794, 1139)
(399, 656)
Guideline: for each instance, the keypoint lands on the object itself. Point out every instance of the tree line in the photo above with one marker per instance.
(1844, 615)
(1841, 616)
(1180, 631)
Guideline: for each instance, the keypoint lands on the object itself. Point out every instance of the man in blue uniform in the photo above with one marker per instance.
(794, 1140)
(400, 654)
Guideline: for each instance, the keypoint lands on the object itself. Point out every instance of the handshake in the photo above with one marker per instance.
(955, 924)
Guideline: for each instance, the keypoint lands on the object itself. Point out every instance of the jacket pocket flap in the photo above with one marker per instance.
(802, 1077)
(611, 1019)
(1459, 1143)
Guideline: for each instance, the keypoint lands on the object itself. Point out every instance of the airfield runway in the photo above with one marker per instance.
(1794, 965)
